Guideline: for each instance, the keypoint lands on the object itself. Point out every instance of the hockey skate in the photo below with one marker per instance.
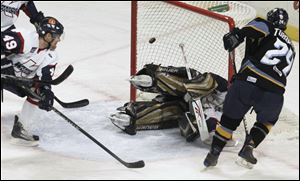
(246, 158)
(212, 157)
(22, 137)
(124, 122)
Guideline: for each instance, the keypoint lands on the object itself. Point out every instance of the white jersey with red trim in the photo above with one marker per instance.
(10, 12)
(31, 60)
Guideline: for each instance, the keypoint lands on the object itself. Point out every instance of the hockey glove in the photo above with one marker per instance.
(36, 20)
(47, 98)
(232, 40)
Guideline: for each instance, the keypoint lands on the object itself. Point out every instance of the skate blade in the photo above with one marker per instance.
(20, 142)
(243, 163)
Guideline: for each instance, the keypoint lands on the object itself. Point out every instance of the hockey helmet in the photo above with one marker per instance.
(50, 25)
(278, 17)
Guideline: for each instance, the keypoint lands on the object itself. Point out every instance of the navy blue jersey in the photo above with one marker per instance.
(269, 56)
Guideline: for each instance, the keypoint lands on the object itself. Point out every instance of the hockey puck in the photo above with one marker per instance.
(152, 40)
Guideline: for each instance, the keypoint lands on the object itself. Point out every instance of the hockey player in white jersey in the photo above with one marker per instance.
(33, 57)
(171, 107)
(10, 12)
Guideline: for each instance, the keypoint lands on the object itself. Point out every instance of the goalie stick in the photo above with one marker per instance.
(138, 164)
(196, 103)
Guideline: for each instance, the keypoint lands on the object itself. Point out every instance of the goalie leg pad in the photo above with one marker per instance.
(124, 122)
(151, 115)
(159, 115)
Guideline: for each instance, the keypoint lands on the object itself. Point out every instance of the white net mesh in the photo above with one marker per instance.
(201, 35)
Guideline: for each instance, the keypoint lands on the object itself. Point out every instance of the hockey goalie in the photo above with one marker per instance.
(171, 108)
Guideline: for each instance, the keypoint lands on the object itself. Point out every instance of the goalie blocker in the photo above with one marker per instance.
(170, 108)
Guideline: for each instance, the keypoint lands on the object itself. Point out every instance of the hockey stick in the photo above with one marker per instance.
(138, 164)
(232, 62)
(70, 105)
(196, 103)
(29, 82)
(68, 71)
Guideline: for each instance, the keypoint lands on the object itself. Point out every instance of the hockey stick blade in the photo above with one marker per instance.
(71, 105)
(68, 71)
(138, 164)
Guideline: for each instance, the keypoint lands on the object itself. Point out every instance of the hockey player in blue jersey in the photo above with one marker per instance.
(259, 84)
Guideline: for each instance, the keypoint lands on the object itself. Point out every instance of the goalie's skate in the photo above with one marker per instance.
(123, 122)
(141, 81)
(22, 137)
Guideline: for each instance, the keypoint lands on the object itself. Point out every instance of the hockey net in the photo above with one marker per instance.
(158, 27)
